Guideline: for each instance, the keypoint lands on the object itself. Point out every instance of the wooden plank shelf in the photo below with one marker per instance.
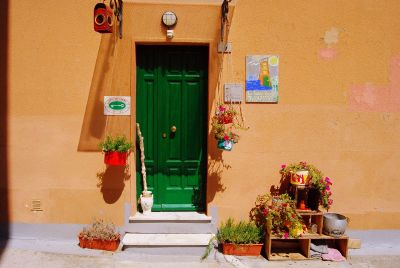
(278, 248)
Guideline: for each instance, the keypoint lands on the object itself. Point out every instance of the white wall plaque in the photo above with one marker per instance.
(233, 92)
(117, 105)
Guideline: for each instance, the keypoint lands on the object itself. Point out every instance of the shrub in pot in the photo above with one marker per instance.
(99, 235)
(240, 238)
(115, 150)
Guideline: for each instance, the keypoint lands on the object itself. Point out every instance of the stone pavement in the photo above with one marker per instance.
(379, 249)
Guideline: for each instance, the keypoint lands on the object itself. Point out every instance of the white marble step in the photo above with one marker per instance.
(153, 240)
(170, 217)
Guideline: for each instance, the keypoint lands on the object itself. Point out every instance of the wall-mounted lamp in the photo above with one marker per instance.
(169, 19)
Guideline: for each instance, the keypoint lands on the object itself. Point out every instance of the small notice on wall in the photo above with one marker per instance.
(262, 78)
(233, 92)
(117, 105)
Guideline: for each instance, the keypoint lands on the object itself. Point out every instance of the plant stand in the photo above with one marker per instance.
(277, 248)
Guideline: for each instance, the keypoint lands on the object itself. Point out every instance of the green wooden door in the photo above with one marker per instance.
(172, 92)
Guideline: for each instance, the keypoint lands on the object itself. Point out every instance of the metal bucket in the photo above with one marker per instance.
(335, 224)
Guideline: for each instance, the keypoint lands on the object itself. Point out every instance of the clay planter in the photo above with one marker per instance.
(115, 158)
(241, 249)
(110, 245)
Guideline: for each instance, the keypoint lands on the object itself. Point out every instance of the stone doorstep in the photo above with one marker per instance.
(134, 239)
(170, 217)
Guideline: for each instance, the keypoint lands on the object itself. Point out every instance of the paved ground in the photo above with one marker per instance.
(379, 249)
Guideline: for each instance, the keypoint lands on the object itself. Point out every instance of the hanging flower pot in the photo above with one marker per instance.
(226, 145)
(115, 150)
(115, 158)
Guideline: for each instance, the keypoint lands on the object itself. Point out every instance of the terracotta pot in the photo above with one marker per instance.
(115, 158)
(241, 249)
(110, 245)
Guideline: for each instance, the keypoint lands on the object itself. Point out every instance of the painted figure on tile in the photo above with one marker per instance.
(264, 74)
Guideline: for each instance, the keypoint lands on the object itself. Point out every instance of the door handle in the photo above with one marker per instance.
(173, 129)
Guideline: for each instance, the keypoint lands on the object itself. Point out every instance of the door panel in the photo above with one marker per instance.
(171, 92)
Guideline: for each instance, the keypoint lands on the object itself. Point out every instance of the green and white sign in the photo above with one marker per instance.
(117, 105)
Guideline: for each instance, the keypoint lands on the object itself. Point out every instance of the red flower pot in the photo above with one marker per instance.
(110, 245)
(241, 249)
(115, 158)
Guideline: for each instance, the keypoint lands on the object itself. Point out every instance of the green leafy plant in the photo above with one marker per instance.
(277, 215)
(242, 232)
(100, 229)
(316, 179)
(117, 144)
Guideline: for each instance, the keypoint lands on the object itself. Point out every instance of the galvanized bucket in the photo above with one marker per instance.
(335, 224)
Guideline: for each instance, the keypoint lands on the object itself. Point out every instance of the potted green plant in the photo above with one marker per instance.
(319, 186)
(223, 124)
(115, 150)
(99, 235)
(242, 238)
(278, 216)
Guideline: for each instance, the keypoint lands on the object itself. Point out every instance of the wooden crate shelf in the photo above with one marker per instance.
(277, 248)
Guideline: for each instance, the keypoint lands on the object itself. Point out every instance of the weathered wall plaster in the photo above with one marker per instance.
(326, 114)
(373, 98)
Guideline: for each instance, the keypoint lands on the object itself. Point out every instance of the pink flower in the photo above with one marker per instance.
(330, 201)
(283, 166)
(226, 137)
(328, 180)
(286, 235)
(328, 188)
(222, 108)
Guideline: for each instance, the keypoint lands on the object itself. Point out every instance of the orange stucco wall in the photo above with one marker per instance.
(338, 106)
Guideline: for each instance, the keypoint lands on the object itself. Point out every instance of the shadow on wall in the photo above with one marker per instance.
(215, 170)
(94, 121)
(284, 184)
(4, 209)
(112, 182)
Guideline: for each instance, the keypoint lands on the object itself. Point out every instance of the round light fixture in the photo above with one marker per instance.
(169, 19)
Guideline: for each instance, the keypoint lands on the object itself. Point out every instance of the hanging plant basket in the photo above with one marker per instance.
(226, 145)
(115, 158)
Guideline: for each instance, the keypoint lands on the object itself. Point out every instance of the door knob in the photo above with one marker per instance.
(173, 129)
